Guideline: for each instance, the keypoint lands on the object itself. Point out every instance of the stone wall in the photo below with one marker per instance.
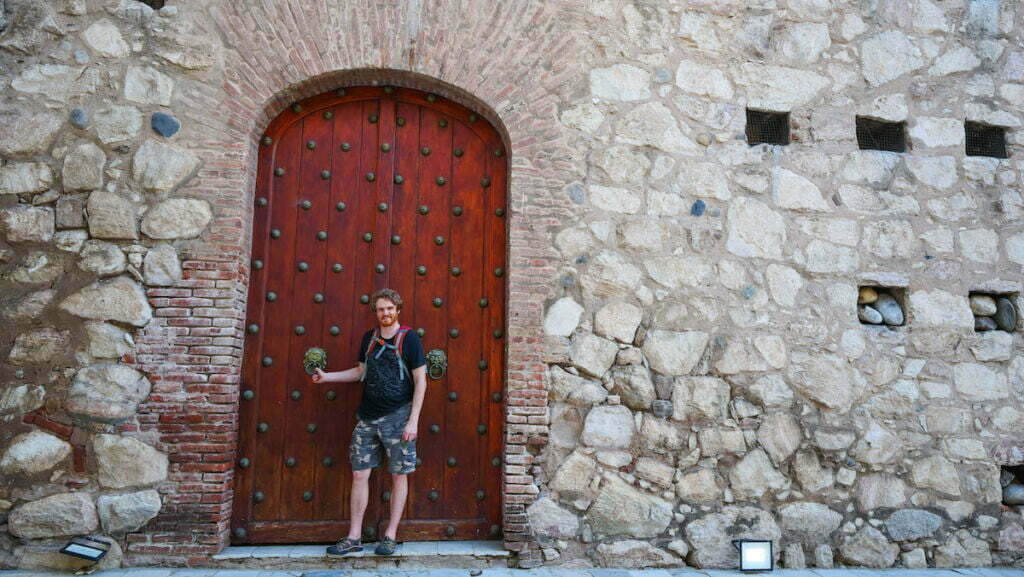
(687, 363)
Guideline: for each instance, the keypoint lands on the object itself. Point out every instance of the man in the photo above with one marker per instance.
(393, 370)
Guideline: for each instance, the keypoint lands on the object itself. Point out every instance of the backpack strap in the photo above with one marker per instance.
(402, 369)
(369, 349)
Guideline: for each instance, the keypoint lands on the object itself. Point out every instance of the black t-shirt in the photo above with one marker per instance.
(384, 389)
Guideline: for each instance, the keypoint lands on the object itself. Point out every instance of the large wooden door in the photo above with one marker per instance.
(358, 190)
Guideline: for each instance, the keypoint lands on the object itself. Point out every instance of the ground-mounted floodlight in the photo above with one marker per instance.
(86, 548)
(755, 554)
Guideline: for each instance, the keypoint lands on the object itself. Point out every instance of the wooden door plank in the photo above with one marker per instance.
(306, 313)
(242, 503)
(433, 285)
(337, 415)
(366, 214)
(462, 415)
(495, 231)
(268, 459)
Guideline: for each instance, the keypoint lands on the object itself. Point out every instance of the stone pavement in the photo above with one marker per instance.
(539, 572)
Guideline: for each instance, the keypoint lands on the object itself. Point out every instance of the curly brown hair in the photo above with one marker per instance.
(388, 294)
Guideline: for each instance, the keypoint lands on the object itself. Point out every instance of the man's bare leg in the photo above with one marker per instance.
(399, 492)
(357, 502)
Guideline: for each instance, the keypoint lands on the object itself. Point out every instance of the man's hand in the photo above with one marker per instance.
(409, 433)
(318, 376)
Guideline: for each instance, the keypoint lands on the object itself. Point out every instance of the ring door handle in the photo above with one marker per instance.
(437, 364)
(315, 358)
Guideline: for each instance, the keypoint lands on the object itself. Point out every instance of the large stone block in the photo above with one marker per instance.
(936, 472)
(609, 274)
(633, 554)
(780, 435)
(963, 550)
(118, 124)
(712, 535)
(574, 478)
(162, 266)
(188, 51)
(652, 124)
(809, 522)
(112, 216)
(674, 353)
(33, 452)
(565, 386)
(177, 218)
(107, 341)
(754, 476)
(105, 39)
(25, 133)
(699, 487)
(548, 519)
(120, 299)
(912, 524)
(977, 382)
(58, 515)
(755, 230)
(879, 490)
(102, 258)
(618, 320)
(700, 399)
(21, 399)
(827, 380)
(148, 86)
(106, 392)
(778, 88)
(887, 56)
(25, 177)
(620, 83)
(28, 223)
(563, 317)
(120, 514)
(620, 509)
(703, 80)
(794, 192)
(633, 384)
(592, 354)
(123, 462)
(608, 427)
(83, 168)
(38, 346)
(869, 548)
(37, 268)
(159, 168)
(57, 81)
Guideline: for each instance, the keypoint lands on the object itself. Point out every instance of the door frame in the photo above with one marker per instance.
(280, 124)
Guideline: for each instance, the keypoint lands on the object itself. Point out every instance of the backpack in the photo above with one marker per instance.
(375, 339)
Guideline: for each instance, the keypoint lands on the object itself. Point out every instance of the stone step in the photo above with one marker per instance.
(410, 555)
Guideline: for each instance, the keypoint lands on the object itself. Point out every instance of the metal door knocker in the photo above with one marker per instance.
(315, 358)
(437, 364)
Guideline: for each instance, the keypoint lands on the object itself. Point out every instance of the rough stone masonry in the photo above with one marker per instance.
(688, 362)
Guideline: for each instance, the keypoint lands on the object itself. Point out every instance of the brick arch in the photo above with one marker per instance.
(275, 53)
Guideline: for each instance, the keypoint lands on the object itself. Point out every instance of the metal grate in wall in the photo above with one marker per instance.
(984, 140)
(767, 127)
(880, 135)
(154, 4)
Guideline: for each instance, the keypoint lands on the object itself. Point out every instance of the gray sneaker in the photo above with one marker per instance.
(344, 547)
(386, 546)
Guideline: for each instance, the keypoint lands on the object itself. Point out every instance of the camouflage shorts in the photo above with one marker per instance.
(369, 437)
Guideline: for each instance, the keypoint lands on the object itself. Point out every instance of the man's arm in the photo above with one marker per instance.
(419, 378)
(348, 376)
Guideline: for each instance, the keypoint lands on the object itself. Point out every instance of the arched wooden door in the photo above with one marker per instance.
(358, 190)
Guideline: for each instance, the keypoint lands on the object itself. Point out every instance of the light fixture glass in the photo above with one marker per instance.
(86, 548)
(755, 555)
